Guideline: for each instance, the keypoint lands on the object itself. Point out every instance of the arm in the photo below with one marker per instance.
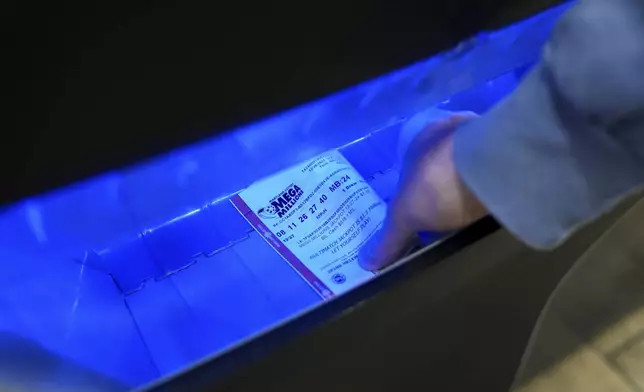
(569, 143)
(564, 147)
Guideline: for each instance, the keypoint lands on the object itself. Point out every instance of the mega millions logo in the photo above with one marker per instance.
(282, 203)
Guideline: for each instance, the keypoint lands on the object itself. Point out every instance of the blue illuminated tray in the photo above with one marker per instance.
(137, 274)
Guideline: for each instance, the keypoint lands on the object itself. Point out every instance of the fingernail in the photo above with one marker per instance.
(467, 114)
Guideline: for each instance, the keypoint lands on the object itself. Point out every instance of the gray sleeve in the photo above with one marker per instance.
(568, 144)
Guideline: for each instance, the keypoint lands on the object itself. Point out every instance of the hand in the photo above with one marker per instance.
(431, 195)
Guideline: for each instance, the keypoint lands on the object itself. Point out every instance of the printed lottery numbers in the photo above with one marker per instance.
(338, 183)
(302, 218)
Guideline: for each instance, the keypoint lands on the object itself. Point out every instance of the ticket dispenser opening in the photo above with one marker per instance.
(134, 275)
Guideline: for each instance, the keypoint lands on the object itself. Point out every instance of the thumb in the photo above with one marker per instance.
(402, 224)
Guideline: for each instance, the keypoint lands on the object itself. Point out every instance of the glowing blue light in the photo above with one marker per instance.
(131, 275)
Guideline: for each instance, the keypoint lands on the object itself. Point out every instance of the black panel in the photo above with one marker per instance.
(95, 86)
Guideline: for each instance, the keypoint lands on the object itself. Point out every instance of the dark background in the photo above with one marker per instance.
(94, 86)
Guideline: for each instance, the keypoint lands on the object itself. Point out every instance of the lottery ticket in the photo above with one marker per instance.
(316, 215)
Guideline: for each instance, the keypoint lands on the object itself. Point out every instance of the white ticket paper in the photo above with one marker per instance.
(316, 215)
